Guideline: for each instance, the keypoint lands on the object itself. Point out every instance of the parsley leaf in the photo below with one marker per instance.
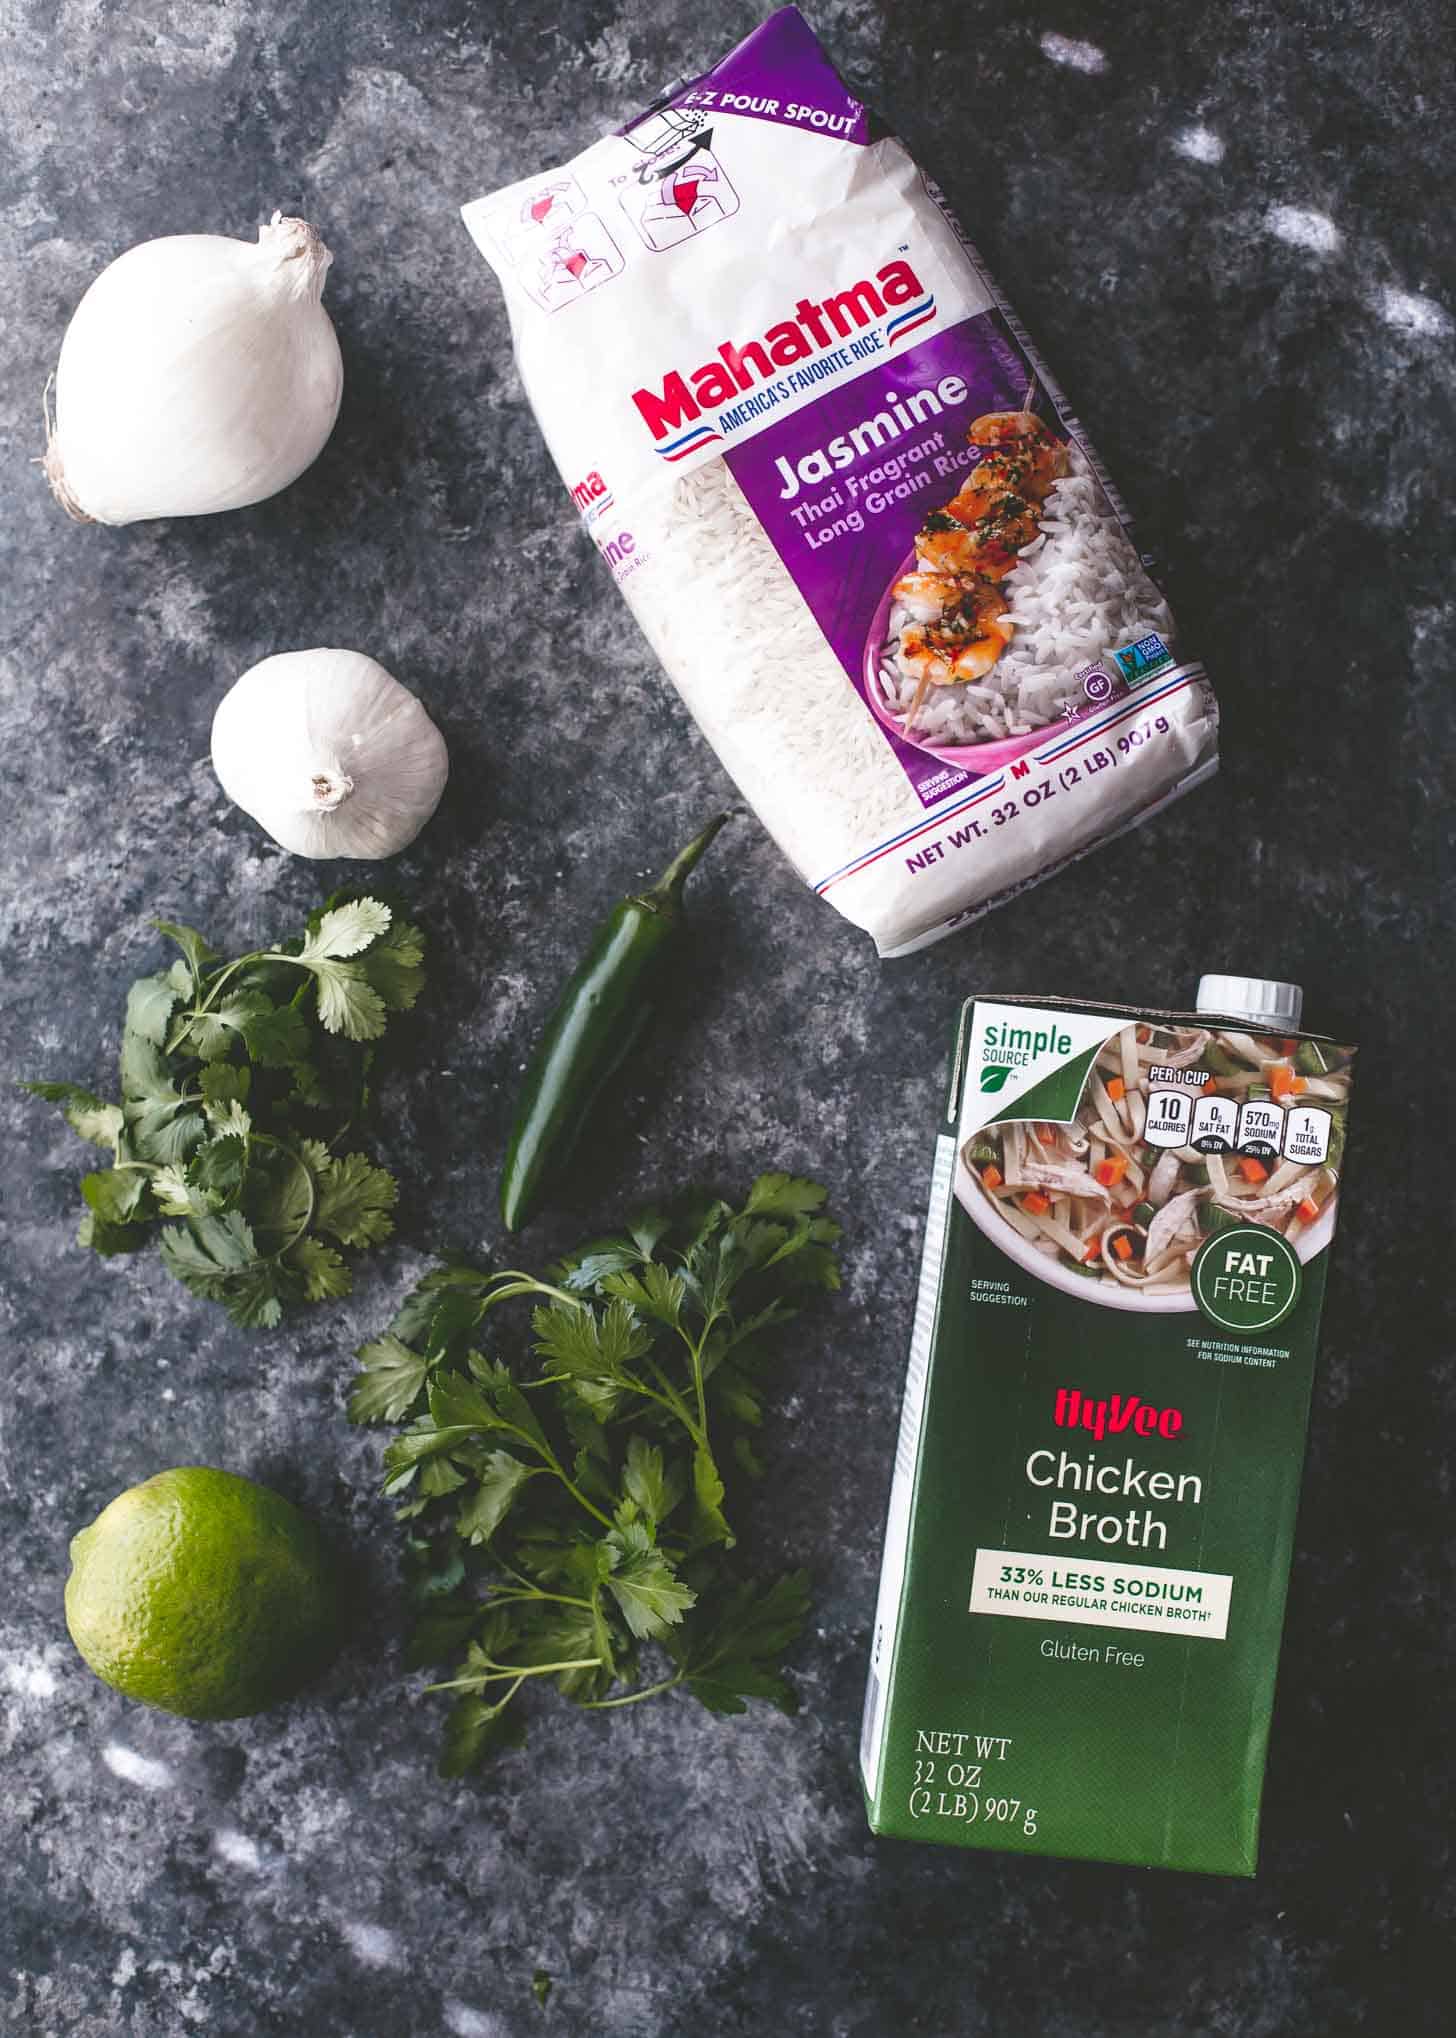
(573, 1506)
(784, 1196)
(643, 1583)
(730, 1657)
(499, 1480)
(389, 1383)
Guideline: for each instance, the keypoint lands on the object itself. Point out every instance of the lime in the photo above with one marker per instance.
(202, 1593)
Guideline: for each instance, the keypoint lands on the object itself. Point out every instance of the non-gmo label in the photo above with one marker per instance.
(1144, 660)
(1247, 1278)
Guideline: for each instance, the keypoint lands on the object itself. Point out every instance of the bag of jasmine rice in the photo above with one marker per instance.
(872, 548)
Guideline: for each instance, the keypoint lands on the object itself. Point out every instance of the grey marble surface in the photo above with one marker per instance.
(1282, 414)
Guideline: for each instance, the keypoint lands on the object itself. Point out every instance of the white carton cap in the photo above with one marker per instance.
(1260, 1000)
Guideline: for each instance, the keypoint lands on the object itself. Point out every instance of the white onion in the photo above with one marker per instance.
(330, 753)
(199, 373)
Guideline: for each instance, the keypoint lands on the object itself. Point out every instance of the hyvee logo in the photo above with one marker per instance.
(1073, 1409)
(1005, 1049)
(813, 328)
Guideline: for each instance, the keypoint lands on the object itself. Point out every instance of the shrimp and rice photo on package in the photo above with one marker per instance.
(851, 510)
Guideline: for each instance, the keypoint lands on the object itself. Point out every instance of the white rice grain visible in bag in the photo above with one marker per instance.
(847, 504)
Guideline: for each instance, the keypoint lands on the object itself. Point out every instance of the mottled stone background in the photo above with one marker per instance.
(1230, 229)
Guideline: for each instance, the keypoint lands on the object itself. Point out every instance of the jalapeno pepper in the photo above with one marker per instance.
(598, 1019)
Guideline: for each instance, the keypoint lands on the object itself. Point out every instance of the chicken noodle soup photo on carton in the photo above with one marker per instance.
(851, 510)
(1103, 1429)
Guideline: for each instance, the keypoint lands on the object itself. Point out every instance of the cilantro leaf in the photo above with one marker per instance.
(195, 950)
(106, 1238)
(216, 1257)
(322, 1270)
(218, 1168)
(276, 1036)
(345, 930)
(163, 1124)
(114, 1195)
(393, 966)
(223, 1083)
(348, 1002)
(212, 1033)
(206, 1130)
(87, 1115)
(149, 1005)
(354, 1200)
(208, 1251)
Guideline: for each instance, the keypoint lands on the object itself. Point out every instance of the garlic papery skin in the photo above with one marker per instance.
(329, 753)
(199, 373)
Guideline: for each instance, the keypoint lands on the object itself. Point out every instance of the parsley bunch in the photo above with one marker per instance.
(567, 1513)
(239, 1081)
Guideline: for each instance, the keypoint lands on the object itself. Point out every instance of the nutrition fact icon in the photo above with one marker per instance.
(1216, 1125)
(680, 189)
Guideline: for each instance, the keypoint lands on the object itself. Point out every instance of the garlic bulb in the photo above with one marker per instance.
(199, 373)
(330, 753)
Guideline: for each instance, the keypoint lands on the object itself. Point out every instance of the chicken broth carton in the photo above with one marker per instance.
(1100, 1449)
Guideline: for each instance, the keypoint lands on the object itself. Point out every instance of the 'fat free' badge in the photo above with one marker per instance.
(1246, 1278)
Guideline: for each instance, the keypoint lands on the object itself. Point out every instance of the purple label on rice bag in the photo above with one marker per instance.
(843, 487)
(779, 73)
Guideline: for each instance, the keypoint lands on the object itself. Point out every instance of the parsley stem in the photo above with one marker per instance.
(632, 1697)
(671, 1399)
(498, 1672)
(513, 1282)
(577, 1495)
(544, 1451)
(556, 1598)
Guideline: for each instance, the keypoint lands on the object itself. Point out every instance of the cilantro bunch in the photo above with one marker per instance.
(566, 1513)
(239, 1082)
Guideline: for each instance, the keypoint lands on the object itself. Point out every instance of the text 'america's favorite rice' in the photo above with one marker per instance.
(848, 505)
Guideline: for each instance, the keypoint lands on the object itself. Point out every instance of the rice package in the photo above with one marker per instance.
(874, 551)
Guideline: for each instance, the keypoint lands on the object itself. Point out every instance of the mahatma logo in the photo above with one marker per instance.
(588, 491)
(673, 413)
(591, 496)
